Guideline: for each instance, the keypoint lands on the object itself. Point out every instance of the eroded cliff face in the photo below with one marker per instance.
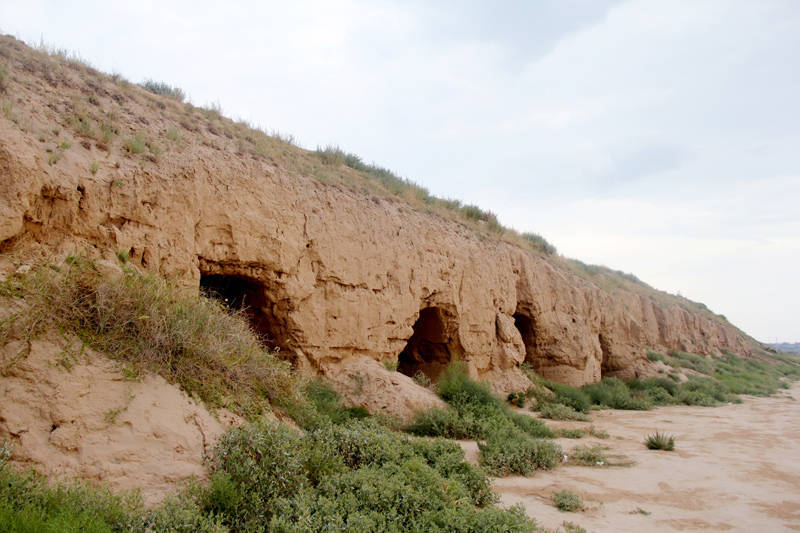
(329, 274)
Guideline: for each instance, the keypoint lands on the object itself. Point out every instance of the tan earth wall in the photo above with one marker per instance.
(334, 274)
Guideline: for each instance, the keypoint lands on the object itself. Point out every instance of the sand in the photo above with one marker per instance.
(735, 468)
(70, 412)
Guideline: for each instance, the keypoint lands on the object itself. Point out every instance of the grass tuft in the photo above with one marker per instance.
(136, 144)
(660, 441)
(567, 501)
(558, 411)
(164, 89)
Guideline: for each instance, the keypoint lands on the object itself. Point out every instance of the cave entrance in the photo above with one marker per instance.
(432, 346)
(526, 325)
(247, 295)
(605, 351)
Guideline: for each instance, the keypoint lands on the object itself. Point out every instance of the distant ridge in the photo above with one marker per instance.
(793, 347)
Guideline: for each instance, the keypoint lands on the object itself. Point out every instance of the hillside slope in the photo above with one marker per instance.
(337, 270)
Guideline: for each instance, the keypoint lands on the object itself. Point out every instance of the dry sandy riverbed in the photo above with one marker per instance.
(735, 468)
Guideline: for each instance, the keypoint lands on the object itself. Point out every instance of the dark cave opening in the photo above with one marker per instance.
(605, 363)
(526, 325)
(430, 349)
(247, 295)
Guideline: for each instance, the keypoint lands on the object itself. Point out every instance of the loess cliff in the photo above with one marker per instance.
(338, 273)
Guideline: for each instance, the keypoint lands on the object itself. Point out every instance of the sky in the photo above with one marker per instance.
(658, 138)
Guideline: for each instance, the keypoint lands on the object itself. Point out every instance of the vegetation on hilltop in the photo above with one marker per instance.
(106, 113)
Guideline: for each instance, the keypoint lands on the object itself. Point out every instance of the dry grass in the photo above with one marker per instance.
(152, 325)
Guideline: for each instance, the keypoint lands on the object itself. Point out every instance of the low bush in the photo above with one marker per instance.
(511, 440)
(455, 386)
(659, 391)
(505, 453)
(445, 422)
(326, 406)
(31, 503)
(159, 87)
(135, 144)
(557, 411)
(660, 441)
(695, 362)
(613, 393)
(517, 399)
(566, 433)
(567, 501)
(570, 396)
(589, 456)
(598, 433)
(355, 477)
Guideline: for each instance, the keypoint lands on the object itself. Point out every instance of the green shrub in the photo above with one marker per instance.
(159, 87)
(455, 386)
(530, 426)
(565, 500)
(570, 396)
(135, 144)
(474, 413)
(505, 453)
(613, 393)
(655, 356)
(557, 411)
(444, 422)
(659, 391)
(539, 243)
(692, 361)
(660, 441)
(570, 527)
(517, 399)
(422, 379)
(352, 477)
(566, 433)
(31, 503)
(589, 456)
(327, 404)
(598, 433)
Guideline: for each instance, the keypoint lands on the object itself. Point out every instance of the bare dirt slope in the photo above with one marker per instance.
(735, 468)
(72, 413)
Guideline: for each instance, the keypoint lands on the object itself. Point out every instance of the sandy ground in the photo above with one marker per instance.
(735, 468)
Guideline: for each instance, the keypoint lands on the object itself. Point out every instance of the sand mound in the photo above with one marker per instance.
(70, 412)
(367, 383)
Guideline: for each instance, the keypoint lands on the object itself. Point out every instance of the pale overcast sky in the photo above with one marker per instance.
(656, 137)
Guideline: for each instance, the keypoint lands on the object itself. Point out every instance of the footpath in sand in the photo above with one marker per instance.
(735, 468)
